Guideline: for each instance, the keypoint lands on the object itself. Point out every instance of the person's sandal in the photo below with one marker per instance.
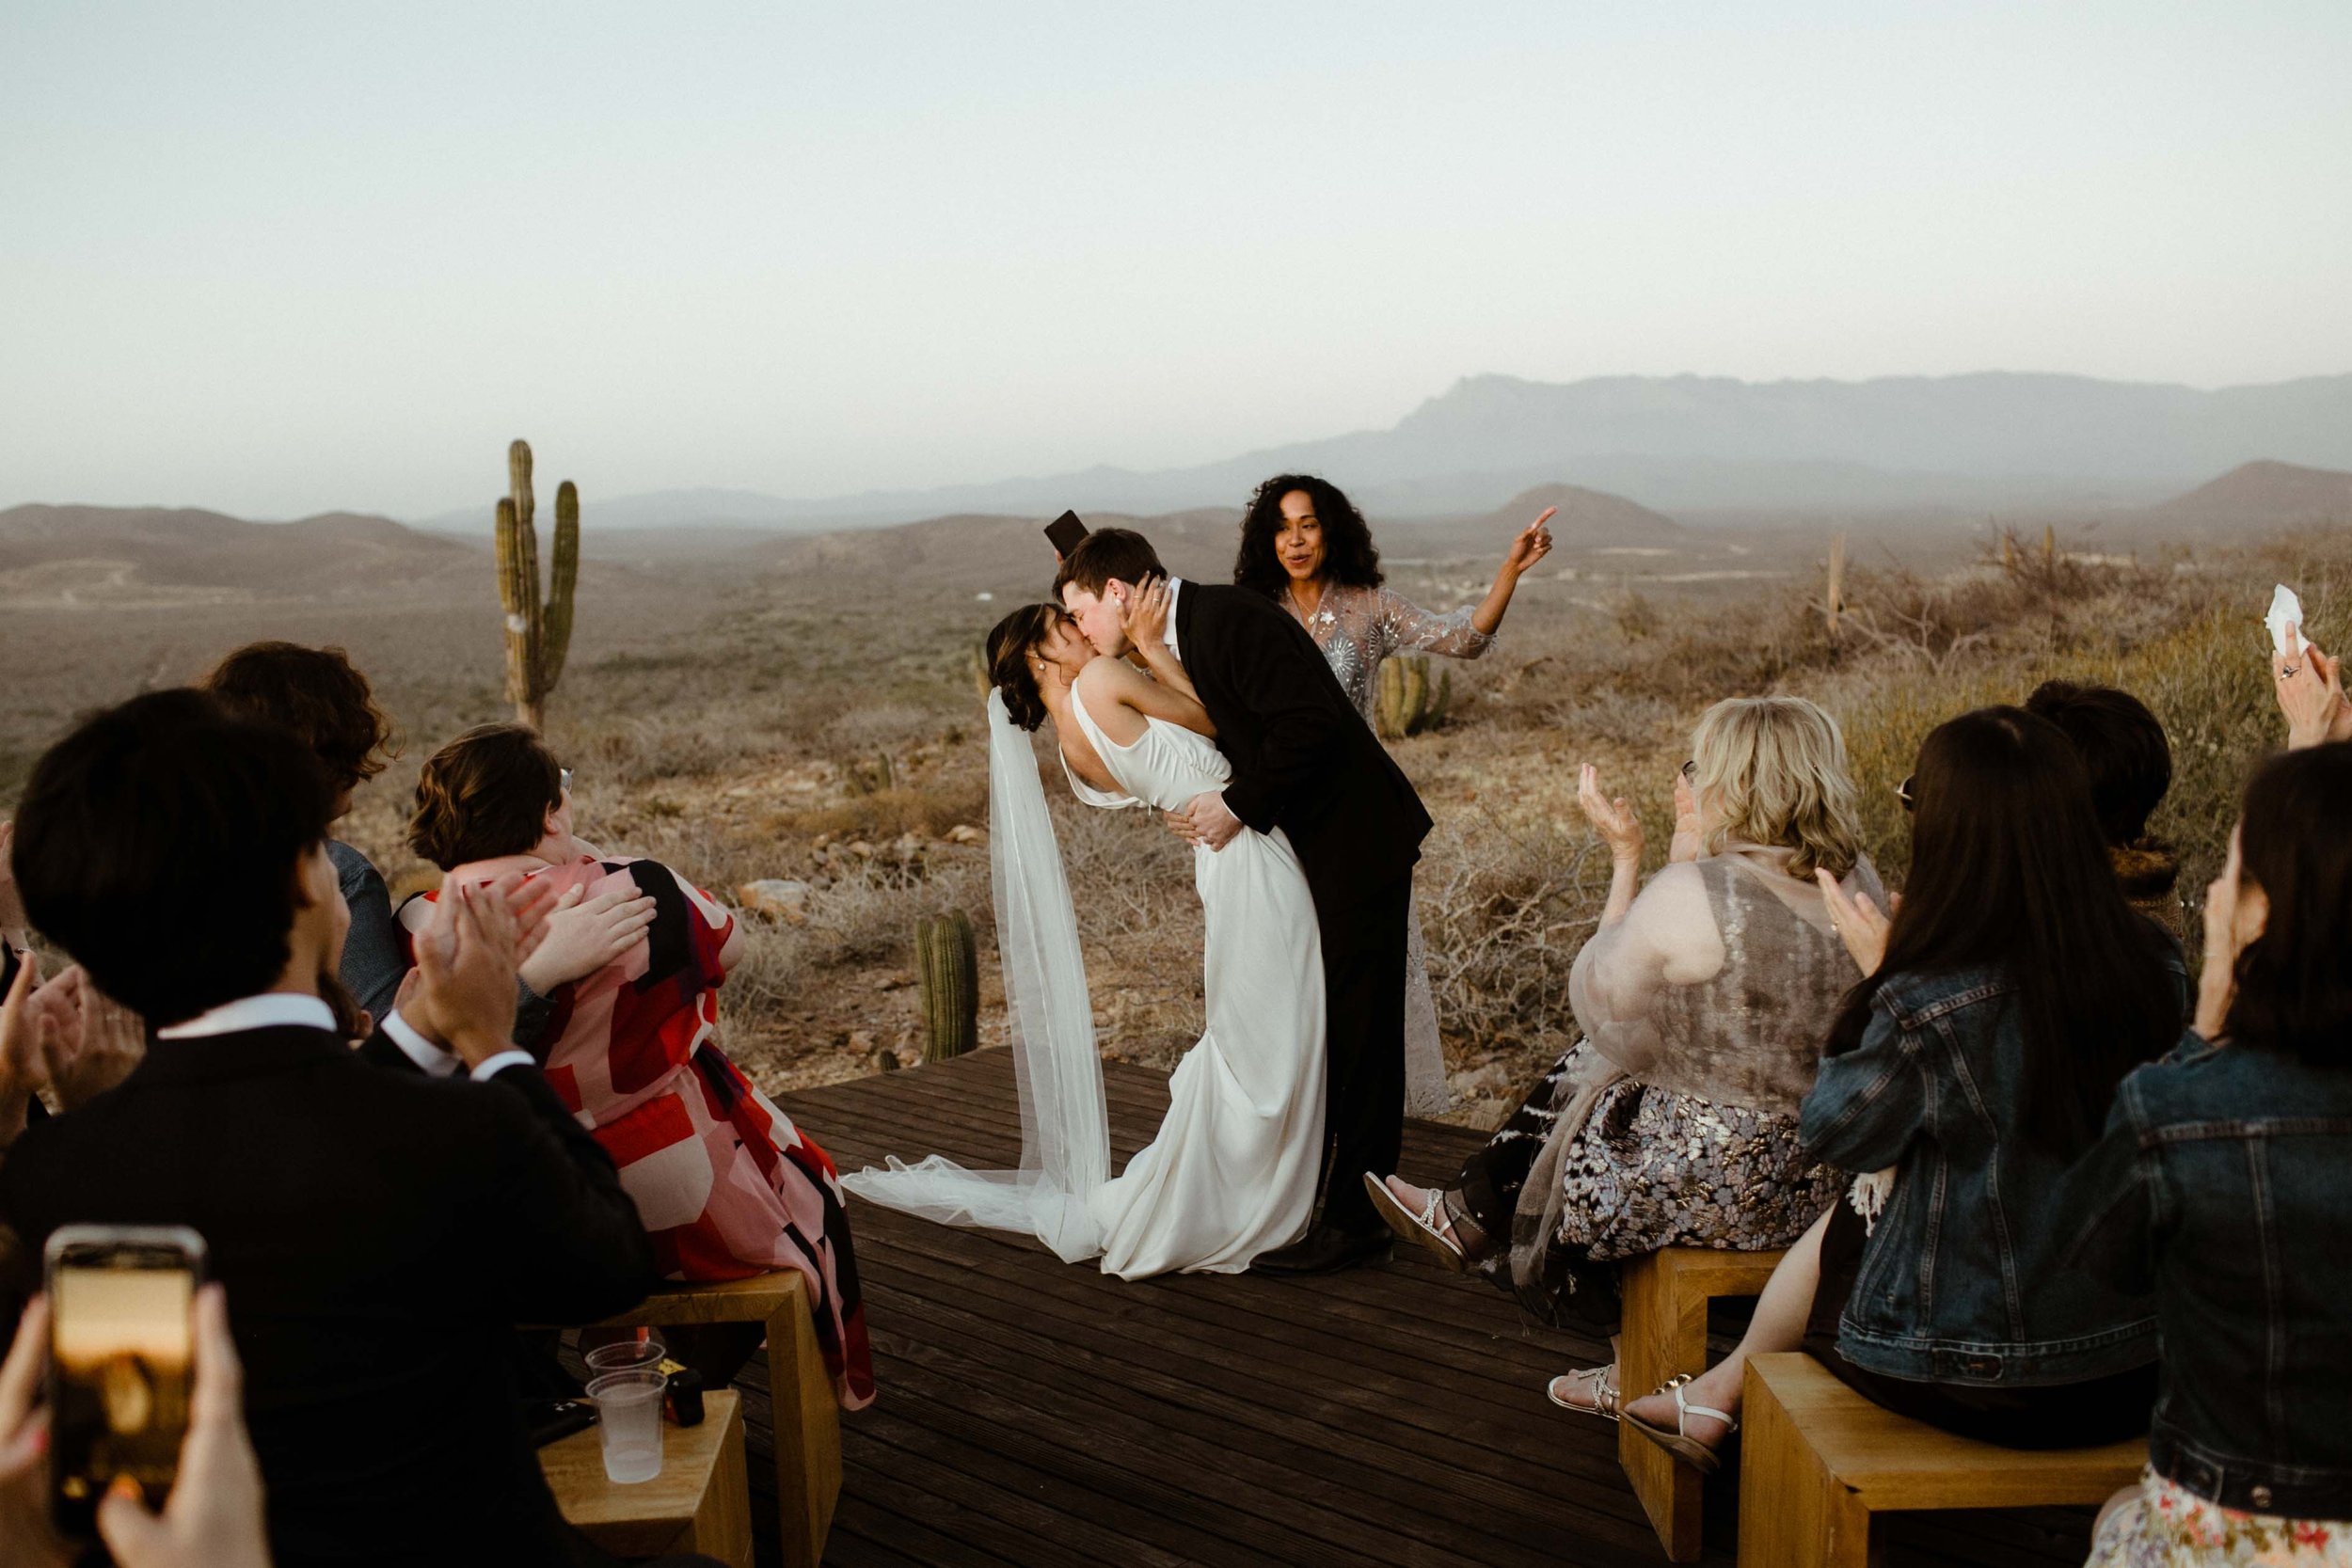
(1420, 1227)
(1598, 1381)
(1679, 1443)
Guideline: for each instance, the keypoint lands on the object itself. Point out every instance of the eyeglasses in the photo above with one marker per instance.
(565, 775)
(1691, 770)
(1902, 793)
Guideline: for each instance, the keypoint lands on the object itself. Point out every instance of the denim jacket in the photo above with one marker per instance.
(1960, 1282)
(2224, 1184)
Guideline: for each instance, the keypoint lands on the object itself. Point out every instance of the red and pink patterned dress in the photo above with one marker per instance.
(727, 1186)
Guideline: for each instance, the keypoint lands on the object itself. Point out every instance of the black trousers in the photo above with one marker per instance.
(1364, 1118)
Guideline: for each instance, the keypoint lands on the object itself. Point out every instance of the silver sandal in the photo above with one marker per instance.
(1420, 1227)
(1599, 1379)
(1679, 1443)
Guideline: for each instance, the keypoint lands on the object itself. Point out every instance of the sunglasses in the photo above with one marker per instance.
(564, 776)
(1902, 792)
(1691, 770)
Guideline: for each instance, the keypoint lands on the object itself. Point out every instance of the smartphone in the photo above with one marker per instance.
(1065, 531)
(121, 1355)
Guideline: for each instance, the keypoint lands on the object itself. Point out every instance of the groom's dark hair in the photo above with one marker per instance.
(1106, 553)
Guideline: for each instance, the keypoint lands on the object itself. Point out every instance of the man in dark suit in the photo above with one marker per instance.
(379, 1233)
(1304, 761)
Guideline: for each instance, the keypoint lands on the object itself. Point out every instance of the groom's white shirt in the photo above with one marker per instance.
(1175, 589)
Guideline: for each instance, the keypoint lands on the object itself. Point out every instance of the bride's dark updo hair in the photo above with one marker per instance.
(1008, 646)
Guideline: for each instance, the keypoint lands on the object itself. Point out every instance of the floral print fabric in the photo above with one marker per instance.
(2170, 1526)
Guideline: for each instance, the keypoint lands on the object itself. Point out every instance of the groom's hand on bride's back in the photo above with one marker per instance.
(1206, 820)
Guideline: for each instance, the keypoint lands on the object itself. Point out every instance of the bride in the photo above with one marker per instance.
(1233, 1171)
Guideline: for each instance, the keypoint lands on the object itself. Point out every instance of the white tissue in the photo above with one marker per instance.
(2285, 610)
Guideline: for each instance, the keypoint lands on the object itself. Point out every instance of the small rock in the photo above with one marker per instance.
(861, 1042)
(964, 832)
(907, 846)
(1486, 1082)
(774, 895)
(862, 850)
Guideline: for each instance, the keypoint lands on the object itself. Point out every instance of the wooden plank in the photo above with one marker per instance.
(648, 1518)
(1791, 1509)
(1896, 1464)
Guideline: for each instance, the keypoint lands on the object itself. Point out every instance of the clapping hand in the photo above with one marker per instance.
(22, 1065)
(1687, 840)
(1613, 819)
(2309, 688)
(89, 1042)
(585, 934)
(12, 903)
(1857, 922)
(1532, 544)
(464, 993)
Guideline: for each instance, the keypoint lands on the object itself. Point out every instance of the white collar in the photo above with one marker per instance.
(272, 1009)
(1175, 587)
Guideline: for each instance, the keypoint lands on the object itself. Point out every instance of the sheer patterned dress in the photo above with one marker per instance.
(1356, 629)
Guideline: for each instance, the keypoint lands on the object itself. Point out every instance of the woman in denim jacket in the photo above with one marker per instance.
(2011, 991)
(2222, 1186)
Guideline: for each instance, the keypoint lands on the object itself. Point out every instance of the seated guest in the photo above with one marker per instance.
(2220, 1186)
(2011, 991)
(726, 1185)
(316, 694)
(2130, 764)
(379, 1235)
(1675, 1122)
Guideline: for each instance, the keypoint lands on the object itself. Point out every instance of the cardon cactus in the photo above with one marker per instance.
(1408, 702)
(949, 962)
(538, 628)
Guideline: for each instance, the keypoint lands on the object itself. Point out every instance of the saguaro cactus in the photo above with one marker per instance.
(1408, 702)
(949, 961)
(1834, 601)
(538, 626)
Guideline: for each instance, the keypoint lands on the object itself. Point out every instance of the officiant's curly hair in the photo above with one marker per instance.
(1349, 557)
(1008, 644)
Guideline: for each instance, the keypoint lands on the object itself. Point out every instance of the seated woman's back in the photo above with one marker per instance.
(1977, 1062)
(2224, 1179)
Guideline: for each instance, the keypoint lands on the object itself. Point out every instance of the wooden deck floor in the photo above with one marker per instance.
(1038, 1414)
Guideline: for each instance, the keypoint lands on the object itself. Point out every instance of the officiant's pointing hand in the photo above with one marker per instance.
(1205, 821)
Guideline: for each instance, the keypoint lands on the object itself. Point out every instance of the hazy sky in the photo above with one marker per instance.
(277, 259)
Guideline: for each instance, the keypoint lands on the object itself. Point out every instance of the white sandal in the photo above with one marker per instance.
(1599, 1380)
(1420, 1227)
(1678, 1442)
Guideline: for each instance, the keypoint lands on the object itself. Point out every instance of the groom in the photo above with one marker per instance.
(1306, 762)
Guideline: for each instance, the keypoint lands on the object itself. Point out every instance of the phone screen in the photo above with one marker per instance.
(120, 1364)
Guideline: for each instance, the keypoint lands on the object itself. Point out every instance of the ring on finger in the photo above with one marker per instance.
(2286, 670)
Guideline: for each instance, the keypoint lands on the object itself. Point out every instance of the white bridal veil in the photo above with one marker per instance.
(1065, 1137)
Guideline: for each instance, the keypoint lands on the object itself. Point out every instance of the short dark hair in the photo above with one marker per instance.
(160, 843)
(1349, 557)
(485, 794)
(319, 695)
(2295, 980)
(1104, 554)
(2122, 747)
(1008, 644)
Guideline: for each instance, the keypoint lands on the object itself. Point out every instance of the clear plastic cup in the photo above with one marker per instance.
(629, 1413)
(625, 1356)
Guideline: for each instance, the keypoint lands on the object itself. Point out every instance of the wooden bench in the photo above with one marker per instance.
(700, 1502)
(1665, 1335)
(1819, 1459)
(806, 1417)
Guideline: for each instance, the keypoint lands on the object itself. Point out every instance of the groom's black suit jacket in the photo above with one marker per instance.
(1304, 760)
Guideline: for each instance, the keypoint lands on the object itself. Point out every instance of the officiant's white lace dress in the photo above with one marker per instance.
(1233, 1171)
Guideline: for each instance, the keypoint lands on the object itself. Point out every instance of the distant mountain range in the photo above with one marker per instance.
(118, 555)
(1680, 444)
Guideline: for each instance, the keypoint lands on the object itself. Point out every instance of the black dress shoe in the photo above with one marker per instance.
(1324, 1250)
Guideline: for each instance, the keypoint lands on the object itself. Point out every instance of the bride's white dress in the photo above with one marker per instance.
(1233, 1171)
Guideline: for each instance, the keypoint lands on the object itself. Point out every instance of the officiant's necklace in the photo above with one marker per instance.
(1319, 616)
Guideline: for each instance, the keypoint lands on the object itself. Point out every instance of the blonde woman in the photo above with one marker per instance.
(1702, 999)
